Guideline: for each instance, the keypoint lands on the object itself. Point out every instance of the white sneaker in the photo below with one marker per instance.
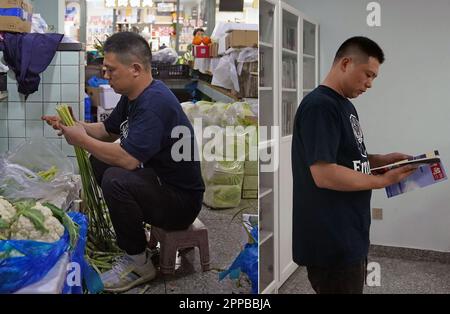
(126, 274)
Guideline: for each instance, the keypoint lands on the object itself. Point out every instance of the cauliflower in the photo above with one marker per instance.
(7, 213)
(24, 229)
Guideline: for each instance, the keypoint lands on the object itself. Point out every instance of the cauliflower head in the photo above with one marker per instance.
(24, 229)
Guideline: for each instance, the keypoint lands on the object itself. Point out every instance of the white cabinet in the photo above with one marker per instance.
(289, 66)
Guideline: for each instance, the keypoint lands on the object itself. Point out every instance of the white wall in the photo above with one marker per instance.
(407, 109)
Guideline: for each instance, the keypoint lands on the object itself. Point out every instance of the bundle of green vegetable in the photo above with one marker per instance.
(101, 234)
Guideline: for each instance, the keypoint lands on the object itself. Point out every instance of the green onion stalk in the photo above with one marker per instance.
(101, 234)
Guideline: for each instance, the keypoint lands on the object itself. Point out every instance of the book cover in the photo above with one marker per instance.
(430, 171)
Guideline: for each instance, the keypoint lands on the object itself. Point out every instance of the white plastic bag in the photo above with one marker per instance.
(38, 24)
(225, 74)
(19, 169)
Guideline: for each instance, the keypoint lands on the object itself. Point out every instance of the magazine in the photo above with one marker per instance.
(430, 170)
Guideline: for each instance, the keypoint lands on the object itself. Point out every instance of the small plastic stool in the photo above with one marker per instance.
(172, 241)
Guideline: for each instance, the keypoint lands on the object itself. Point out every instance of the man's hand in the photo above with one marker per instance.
(75, 135)
(398, 174)
(55, 121)
(382, 160)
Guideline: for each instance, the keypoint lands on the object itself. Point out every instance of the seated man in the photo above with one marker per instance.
(141, 178)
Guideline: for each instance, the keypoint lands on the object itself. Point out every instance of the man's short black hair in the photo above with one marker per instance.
(129, 46)
(361, 46)
(198, 30)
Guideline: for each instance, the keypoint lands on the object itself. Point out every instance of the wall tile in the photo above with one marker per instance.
(33, 111)
(70, 92)
(70, 74)
(3, 109)
(52, 92)
(11, 77)
(16, 110)
(70, 58)
(16, 128)
(52, 75)
(56, 59)
(49, 108)
(3, 128)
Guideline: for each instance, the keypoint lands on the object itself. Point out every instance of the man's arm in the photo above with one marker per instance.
(340, 178)
(98, 131)
(110, 153)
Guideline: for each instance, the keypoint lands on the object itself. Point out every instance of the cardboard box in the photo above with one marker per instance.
(94, 93)
(214, 50)
(201, 51)
(15, 16)
(248, 80)
(241, 38)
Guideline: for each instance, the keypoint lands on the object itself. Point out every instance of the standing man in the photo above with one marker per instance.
(140, 178)
(331, 173)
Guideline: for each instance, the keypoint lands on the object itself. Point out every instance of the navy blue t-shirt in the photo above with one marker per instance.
(330, 228)
(145, 126)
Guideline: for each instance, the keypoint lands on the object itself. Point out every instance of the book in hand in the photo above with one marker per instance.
(430, 170)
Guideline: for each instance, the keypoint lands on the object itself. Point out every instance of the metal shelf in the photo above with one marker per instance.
(215, 93)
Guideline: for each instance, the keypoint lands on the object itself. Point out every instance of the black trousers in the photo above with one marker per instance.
(138, 196)
(338, 279)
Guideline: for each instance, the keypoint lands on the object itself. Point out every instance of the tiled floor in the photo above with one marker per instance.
(398, 276)
(226, 238)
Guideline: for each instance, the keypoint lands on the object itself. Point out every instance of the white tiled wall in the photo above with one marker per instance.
(61, 82)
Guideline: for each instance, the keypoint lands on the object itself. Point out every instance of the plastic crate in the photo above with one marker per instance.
(170, 71)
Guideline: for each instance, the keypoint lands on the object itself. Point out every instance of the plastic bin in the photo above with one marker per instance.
(170, 71)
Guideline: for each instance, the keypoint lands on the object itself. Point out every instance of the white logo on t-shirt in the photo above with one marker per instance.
(357, 131)
(124, 130)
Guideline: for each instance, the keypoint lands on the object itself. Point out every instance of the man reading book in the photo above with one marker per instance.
(331, 173)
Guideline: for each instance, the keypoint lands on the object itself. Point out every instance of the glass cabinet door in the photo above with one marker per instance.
(289, 75)
(309, 57)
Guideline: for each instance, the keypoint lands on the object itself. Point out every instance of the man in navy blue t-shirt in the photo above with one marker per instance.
(331, 173)
(148, 176)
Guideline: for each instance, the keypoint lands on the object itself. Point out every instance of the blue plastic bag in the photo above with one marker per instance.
(246, 262)
(96, 81)
(90, 278)
(21, 271)
(40, 257)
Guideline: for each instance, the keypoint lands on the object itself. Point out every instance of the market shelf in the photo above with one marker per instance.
(264, 44)
(291, 52)
(216, 93)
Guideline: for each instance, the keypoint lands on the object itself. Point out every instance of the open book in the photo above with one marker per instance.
(430, 171)
(429, 158)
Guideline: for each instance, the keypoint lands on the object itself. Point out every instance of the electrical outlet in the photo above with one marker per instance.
(377, 213)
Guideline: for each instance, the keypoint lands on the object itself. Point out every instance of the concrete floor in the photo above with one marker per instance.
(226, 239)
(398, 276)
